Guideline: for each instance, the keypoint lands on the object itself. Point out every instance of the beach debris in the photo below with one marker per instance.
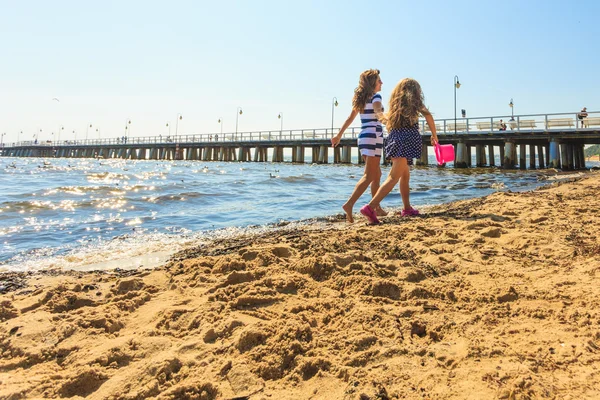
(12, 281)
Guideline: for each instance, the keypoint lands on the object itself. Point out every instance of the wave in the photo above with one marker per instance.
(164, 198)
(116, 189)
(482, 185)
(139, 249)
(106, 176)
(63, 205)
(297, 179)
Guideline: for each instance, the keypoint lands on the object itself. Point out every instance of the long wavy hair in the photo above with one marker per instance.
(406, 104)
(365, 90)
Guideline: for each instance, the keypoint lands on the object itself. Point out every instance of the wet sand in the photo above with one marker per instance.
(495, 297)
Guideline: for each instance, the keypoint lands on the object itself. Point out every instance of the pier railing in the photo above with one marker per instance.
(571, 121)
(574, 121)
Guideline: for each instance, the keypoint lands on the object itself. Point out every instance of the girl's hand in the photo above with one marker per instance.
(434, 140)
(335, 141)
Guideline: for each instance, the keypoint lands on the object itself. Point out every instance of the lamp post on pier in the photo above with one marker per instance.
(86, 131)
(220, 122)
(238, 112)
(512, 111)
(179, 117)
(2, 140)
(334, 103)
(62, 128)
(127, 128)
(456, 86)
(280, 116)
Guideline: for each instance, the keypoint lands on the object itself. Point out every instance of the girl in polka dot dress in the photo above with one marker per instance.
(403, 143)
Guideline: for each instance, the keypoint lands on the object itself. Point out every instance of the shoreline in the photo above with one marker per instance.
(334, 221)
(491, 297)
(157, 255)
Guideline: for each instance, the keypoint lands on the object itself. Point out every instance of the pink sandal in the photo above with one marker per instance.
(411, 212)
(370, 214)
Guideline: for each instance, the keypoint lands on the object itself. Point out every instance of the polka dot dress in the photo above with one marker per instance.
(404, 142)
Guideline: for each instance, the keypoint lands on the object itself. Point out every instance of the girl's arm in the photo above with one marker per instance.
(431, 123)
(378, 109)
(336, 139)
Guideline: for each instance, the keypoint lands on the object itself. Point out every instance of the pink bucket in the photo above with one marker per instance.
(444, 153)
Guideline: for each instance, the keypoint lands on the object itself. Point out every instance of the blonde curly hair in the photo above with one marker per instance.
(406, 104)
(365, 90)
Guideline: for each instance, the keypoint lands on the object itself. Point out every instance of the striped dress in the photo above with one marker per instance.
(370, 140)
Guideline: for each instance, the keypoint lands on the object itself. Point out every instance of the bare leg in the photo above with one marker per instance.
(371, 170)
(376, 180)
(374, 188)
(394, 176)
(404, 186)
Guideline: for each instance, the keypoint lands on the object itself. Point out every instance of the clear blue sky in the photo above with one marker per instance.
(109, 61)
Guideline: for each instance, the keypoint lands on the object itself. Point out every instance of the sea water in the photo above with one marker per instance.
(88, 214)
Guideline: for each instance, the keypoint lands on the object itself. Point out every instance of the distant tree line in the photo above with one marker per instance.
(592, 150)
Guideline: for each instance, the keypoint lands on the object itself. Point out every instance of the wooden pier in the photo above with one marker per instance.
(521, 146)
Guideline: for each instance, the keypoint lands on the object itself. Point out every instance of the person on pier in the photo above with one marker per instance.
(403, 144)
(367, 103)
(582, 115)
(502, 126)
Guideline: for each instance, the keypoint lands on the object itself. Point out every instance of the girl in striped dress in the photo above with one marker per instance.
(403, 144)
(367, 103)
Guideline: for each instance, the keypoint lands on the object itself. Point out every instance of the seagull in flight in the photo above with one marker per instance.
(56, 98)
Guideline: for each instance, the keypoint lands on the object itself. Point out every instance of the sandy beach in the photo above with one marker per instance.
(496, 297)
